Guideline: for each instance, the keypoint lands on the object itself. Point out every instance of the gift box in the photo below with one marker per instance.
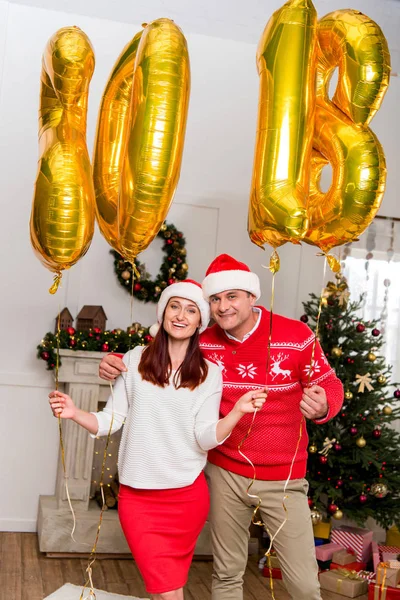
(387, 575)
(392, 556)
(326, 551)
(343, 582)
(343, 557)
(393, 536)
(319, 542)
(354, 566)
(322, 530)
(375, 592)
(376, 555)
(354, 538)
(275, 573)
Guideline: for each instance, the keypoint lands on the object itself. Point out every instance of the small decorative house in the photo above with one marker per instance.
(90, 317)
(66, 320)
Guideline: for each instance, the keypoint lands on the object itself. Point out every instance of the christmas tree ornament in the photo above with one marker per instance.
(353, 430)
(360, 327)
(137, 287)
(339, 483)
(396, 393)
(349, 360)
(381, 379)
(387, 410)
(364, 381)
(304, 319)
(337, 447)
(71, 331)
(327, 445)
(332, 508)
(338, 515)
(45, 355)
(316, 516)
(379, 490)
(323, 460)
(104, 347)
(310, 502)
(361, 442)
(312, 449)
(348, 395)
(375, 332)
(371, 357)
(125, 275)
(336, 352)
(363, 498)
(376, 433)
(324, 302)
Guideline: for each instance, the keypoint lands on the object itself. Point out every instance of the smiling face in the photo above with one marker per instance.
(233, 311)
(181, 318)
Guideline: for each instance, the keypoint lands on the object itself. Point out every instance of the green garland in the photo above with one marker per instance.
(172, 269)
(94, 340)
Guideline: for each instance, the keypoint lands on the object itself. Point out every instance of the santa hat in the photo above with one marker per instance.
(227, 273)
(188, 289)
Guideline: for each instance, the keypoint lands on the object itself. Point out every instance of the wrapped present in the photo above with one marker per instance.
(326, 551)
(354, 566)
(392, 556)
(387, 576)
(322, 530)
(343, 556)
(377, 592)
(342, 581)
(319, 542)
(392, 536)
(376, 555)
(355, 538)
(275, 573)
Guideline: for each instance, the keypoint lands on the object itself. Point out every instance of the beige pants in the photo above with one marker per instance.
(230, 514)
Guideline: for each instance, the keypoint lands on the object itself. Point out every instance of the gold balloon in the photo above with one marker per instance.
(139, 151)
(356, 45)
(286, 66)
(62, 217)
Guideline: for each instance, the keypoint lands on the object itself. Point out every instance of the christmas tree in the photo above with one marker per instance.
(354, 459)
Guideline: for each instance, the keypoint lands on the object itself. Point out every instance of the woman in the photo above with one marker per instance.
(169, 401)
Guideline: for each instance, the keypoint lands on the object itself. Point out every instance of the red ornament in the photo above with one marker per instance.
(148, 338)
(375, 332)
(363, 498)
(304, 318)
(350, 361)
(97, 329)
(353, 430)
(169, 242)
(45, 355)
(72, 343)
(137, 287)
(332, 508)
(310, 502)
(70, 331)
(104, 347)
(171, 281)
(337, 447)
(323, 460)
(360, 327)
(339, 482)
(376, 433)
(396, 393)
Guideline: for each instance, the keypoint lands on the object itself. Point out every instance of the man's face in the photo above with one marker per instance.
(232, 309)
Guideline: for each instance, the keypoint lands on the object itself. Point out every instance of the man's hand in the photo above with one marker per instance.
(111, 366)
(314, 404)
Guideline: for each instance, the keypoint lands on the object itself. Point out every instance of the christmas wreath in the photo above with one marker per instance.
(173, 267)
(94, 340)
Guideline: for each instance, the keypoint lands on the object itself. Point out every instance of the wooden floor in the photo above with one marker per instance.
(26, 574)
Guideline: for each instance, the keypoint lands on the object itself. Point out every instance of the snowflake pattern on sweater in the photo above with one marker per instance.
(292, 367)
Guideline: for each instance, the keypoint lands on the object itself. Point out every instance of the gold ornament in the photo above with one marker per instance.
(338, 515)
(118, 331)
(286, 66)
(361, 442)
(316, 516)
(140, 137)
(364, 381)
(125, 275)
(381, 379)
(324, 302)
(312, 449)
(157, 289)
(348, 395)
(184, 267)
(387, 410)
(62, 217)
(342, 136)
(371, 356)
(379, 490)
(336, 352)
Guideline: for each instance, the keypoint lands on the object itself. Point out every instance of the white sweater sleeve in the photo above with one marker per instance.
(208, 416)
(116, 409)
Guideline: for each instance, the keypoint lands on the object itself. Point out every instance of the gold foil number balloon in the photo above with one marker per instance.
(139, 151)
(286, 66)
(62, 217)
(356, 45)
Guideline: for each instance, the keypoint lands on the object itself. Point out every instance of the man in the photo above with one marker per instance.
(299, 383)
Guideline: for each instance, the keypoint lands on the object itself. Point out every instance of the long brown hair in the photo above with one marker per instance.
(155, 363)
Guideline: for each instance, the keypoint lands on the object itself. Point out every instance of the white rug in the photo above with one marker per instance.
(73, 592)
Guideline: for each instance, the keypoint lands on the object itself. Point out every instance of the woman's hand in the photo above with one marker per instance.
(62, 405)
(251, 401)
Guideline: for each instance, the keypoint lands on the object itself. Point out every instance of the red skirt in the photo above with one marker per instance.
(161, 528)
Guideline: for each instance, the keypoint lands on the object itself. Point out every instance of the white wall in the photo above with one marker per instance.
(210, 207)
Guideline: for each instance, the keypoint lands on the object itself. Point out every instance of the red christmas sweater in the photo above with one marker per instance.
(275, 432)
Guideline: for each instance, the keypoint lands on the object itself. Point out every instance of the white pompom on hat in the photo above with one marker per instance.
(189, 290)
(227, 273)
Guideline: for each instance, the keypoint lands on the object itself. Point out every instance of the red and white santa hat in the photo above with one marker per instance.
(227, 273)
(188, 289)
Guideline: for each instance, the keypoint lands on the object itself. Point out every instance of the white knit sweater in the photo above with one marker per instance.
(167, 432)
